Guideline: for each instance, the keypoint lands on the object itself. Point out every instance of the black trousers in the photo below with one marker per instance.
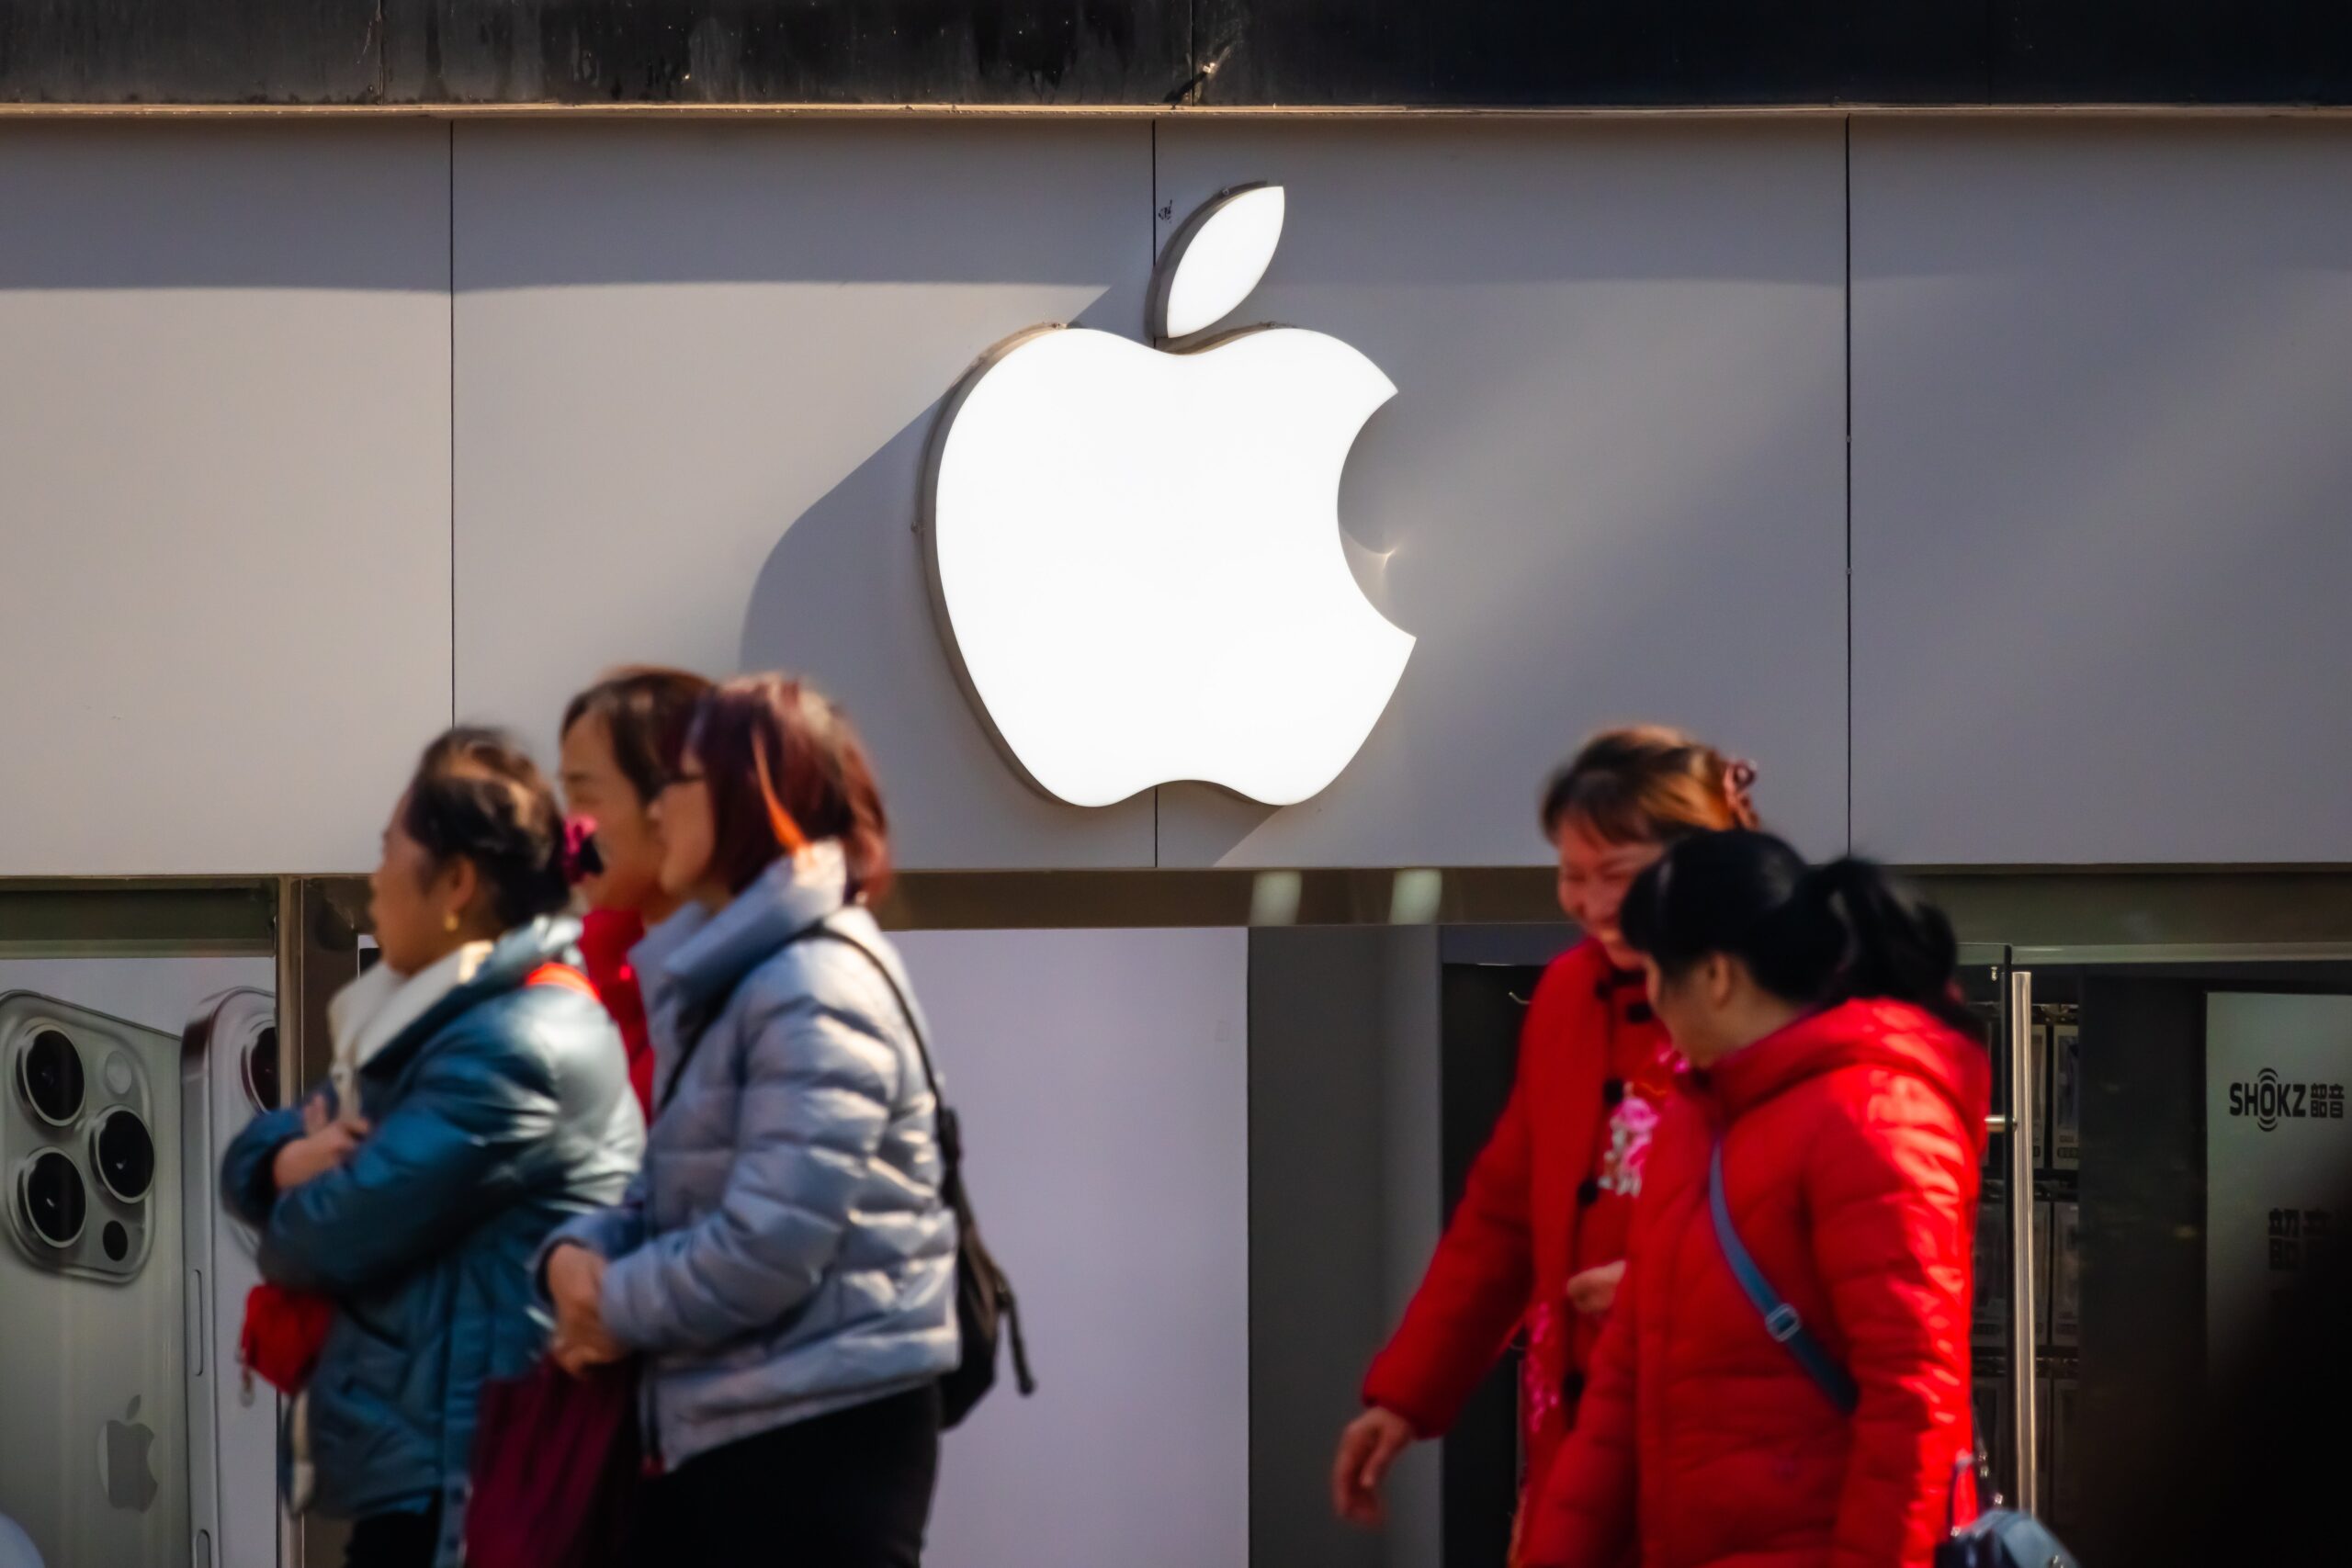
(848, 1490)
(394, 1540)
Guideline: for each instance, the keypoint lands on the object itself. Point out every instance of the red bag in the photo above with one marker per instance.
(283, 1334)
(555, 1469)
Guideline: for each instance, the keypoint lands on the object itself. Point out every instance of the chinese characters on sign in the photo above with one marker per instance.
(2299, 1238)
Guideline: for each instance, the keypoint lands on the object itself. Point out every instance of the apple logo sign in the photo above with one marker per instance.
(130, 1481)
(1135, 552)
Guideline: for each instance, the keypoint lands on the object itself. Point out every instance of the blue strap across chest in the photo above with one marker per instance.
(1781, 1319)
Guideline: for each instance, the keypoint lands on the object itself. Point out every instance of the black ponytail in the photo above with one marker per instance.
(1816, 935)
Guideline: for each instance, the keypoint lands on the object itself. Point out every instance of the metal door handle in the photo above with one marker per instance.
(2022, 1345)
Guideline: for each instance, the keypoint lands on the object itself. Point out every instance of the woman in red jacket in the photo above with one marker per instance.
(622, 738)
(1829, 1074)
(1538, 1241)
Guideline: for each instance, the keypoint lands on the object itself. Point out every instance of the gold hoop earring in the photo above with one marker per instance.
(449, 923)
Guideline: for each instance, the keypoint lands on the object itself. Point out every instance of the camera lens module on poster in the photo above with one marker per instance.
(261, 1070)
(49, 1074)
(124, 1155)
(52, 1200)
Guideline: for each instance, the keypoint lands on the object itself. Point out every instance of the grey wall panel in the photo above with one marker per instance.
(1611, 484)
(1344, 1208)
(2100, 375)
(1102, 1080)
(224, 488)
(697, 366)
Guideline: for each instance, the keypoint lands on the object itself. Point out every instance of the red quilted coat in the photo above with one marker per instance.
(1533, 1210)
(605, 938)
(1851, 1145)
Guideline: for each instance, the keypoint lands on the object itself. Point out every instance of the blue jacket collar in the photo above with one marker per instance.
(702, 955)
(519, 953)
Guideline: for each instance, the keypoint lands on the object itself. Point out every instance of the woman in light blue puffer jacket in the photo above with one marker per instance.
(786, 1263)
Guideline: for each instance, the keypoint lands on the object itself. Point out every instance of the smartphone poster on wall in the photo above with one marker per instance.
(109, 1396)
(2277, 1156)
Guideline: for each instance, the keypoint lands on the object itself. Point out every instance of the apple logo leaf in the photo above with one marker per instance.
(1214, 262)
(132, 1414)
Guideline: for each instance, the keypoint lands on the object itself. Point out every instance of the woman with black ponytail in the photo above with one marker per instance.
(1785, 1381)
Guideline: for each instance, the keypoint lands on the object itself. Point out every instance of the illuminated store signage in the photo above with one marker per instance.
(1134, 551)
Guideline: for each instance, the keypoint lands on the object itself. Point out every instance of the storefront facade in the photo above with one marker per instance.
(1978, 476)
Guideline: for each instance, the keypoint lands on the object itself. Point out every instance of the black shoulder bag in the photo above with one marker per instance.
(985, 1308)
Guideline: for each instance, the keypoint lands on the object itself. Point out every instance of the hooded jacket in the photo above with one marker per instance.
(1852, 1141)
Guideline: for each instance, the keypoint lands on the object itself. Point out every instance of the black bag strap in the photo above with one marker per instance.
(951, 1154)
(951, 1137)
(950, 1143)
(704, 1014)
(697, 1021)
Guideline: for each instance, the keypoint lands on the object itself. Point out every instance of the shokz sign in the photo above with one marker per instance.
(1134, 551)
(2277, 1156)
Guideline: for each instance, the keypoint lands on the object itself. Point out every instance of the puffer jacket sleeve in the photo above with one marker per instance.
(1475, 1292)
(424, 1176)
(819, 1084)
(608, 1232)
(248, 1183)
(1888, 1182)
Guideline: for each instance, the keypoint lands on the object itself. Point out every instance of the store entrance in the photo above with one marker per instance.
(2187, 1161)
(2181, 1159)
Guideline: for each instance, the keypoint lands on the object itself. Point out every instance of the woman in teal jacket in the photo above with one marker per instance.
(480, 1098)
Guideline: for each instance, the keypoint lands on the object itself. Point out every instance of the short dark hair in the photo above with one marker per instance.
(478, 795)
(780, 759)
(646, 709)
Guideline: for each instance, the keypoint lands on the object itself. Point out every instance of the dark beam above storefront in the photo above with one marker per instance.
(1148, 54)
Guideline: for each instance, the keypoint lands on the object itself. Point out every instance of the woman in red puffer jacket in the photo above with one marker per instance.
(1538, 1241)
(622, 739)
(1818, 1011)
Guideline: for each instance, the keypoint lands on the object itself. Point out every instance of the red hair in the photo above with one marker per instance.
(786, 769)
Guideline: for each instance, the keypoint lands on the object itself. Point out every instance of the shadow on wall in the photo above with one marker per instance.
(843, 596)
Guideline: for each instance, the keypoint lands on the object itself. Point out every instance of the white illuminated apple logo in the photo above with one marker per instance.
(1135, 553)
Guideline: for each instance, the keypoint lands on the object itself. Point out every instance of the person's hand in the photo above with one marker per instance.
(315, 1153)
(316, 1115)
(576, 1285)
(1593, 1291)
(1368, 1447)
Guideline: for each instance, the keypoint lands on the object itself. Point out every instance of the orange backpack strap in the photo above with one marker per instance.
(562, 975)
